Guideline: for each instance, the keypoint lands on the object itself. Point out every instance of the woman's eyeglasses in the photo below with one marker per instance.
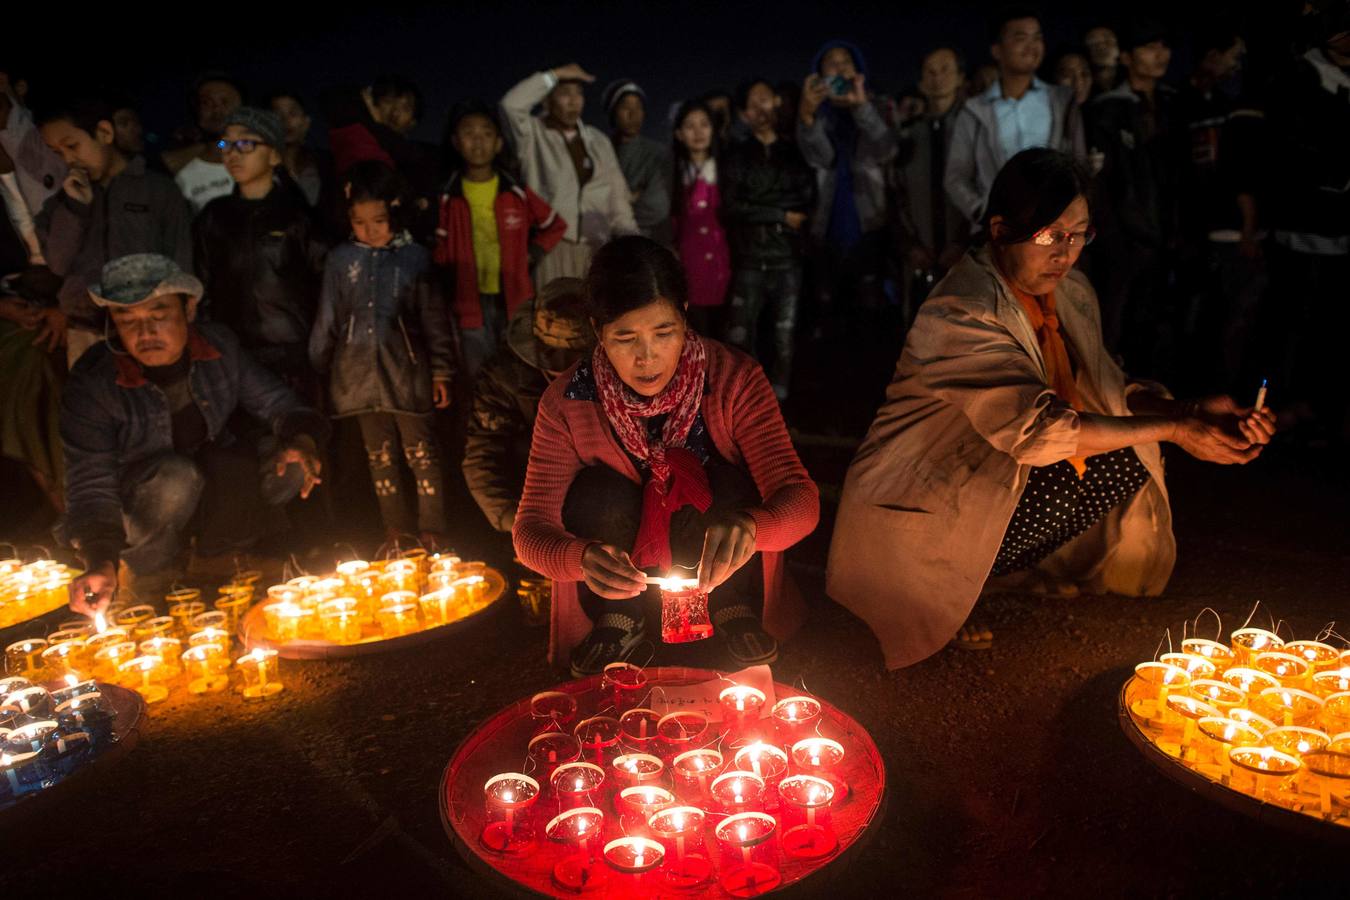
(243, 145)
(1051, 237)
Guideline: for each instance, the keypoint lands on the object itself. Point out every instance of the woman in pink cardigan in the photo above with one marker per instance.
(663, 448)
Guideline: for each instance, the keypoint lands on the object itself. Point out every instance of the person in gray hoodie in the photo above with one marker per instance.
(844, 138)
(1016, 112)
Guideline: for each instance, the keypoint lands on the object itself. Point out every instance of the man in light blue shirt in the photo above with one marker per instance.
(1017, 112)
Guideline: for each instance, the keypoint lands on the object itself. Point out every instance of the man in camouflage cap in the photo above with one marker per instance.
(150, 460)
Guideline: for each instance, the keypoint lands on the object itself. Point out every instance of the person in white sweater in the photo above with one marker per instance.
(568, 163)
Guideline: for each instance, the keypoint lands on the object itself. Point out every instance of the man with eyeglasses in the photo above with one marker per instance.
(257, 251)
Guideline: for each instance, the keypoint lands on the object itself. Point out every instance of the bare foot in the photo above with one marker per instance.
(973, 636)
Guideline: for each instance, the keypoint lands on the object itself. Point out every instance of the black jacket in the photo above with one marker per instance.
(759, 185)
(497, 445)
(1143, 158)
(1308, 116)
(261, 262)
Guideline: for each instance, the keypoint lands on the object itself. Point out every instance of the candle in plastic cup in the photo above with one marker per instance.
(823, 758)
(550, 750)
(633, 855)
(738, 792)
(1329, 772)
(580, 828)
(681, 731)
(1221, 655)
(749, 866)
(25, 657)
(684, 611)
(636, 804)
(633, 769)
(145, 674)
(398, 619)
(1287, 705)
(1192, 664)
(599, 737)
(1320, 656)
(578, 784)
(555, 708)
(693, 772)
(1291, 670)
(680, 829)
(741, 706)
(1219, 734)
(1296, 740)
(169, 649)
(807, 829)
(259, 669)
(184, 612)
(508, 799)
(206, 666)
(1247, 642)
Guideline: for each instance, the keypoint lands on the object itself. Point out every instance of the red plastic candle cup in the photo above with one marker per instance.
(633, 857)
(599, 737)
(680, 829)
(634, 769)
(625, 684)
(749, 860)
(509, 827)
(795, 718)
(636, 805)
(767, 761)
(738, 792)
(550, 750)
(679, 732)
(553, 710)
(579, 828)
(684, 611)
(577, 784)
(692, 773)
(741, 707)
(823, 758)
(637, 729)
(805, 816)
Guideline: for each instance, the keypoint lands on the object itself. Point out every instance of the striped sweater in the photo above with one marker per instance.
(747, 429)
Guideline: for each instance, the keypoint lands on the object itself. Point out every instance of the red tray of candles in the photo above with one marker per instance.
(424, 624)
(73, 732)
(662, 782)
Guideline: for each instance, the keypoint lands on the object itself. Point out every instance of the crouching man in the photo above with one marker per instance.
(150, 459)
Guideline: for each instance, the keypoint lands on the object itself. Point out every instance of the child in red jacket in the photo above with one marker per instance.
(491, 230)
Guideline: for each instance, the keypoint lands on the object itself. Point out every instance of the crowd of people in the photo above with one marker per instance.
(180, 330)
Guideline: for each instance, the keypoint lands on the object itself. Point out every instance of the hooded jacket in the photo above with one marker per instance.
(594, 212)
(874, 145)
(976, 154)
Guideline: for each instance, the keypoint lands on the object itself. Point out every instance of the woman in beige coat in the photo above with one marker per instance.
(1010, 443)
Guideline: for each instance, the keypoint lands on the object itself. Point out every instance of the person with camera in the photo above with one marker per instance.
(847, 142)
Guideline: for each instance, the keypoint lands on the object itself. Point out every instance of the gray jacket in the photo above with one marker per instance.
(976, 154)
(138, 212)
(877, 146)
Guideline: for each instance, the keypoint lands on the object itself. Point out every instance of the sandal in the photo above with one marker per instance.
(614, 635)
(746, 640)
(972, 636)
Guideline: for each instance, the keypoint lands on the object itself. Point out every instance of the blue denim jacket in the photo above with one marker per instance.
(113, 418)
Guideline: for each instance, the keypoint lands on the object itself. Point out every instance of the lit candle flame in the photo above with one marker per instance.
(507, 795)
(71, 680)
(744, 832)
(100, 622)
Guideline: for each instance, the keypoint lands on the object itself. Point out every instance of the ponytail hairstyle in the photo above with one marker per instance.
(373, 180)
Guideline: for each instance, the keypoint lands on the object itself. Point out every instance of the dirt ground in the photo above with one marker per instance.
(1008, 773)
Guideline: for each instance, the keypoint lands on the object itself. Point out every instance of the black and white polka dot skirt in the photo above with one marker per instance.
(1057, 505)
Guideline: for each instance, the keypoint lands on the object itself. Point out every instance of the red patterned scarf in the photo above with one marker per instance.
(676, 476)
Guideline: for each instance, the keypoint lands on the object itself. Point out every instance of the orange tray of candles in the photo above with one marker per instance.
(1258, 724)
(73, 733)
(375, 623)
(663, 782)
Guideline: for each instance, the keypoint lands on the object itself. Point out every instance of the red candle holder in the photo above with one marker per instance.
(637, 729)
(822, 758)
(738, 792)
(680, 829)
(741, 707)
(579, 828)
(578, 784)
(599, 737)
(679, 732)
(805, 815)
(634, 857)
(636, 805)
(795, 718)
(692, 773)
(509, 798)
(636, 769)
(553, 710)
(547, 751)
(749, 859)
(624, 683)
(767, 761)
(684, 611)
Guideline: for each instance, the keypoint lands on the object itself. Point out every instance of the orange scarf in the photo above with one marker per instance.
(1041, 311)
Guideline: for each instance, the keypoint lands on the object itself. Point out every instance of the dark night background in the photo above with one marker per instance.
(454, 51)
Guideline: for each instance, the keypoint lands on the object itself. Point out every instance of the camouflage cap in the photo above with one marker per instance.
(133, 279)
(551, 332)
